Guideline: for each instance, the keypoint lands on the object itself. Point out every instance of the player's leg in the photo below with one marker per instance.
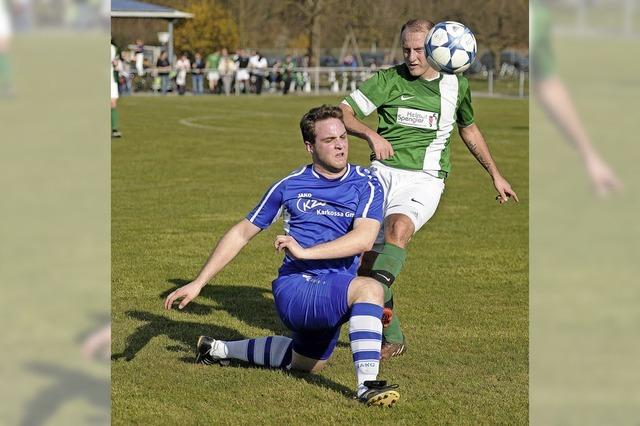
(409, 203)
(318, 306)
(385, 261)
(270, 352)
(115, 132)
(365, 297)
(398, 230)
(314, 335)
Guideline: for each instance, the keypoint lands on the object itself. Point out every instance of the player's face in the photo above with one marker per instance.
(330, 152)
(413, 51)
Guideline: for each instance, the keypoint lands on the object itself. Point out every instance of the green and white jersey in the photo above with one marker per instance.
(415, 115)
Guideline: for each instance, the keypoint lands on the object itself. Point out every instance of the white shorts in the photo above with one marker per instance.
(213, 75)
(242, 75)
(412, 193)
(114, 90)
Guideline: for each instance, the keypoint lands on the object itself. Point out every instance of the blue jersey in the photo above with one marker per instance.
(317, 210)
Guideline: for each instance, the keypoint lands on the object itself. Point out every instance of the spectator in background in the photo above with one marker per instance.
(182, 68)
(139, 57)
(213, 62)
(287, 70)
(242, 76)
(258, 66)
(197, 77)
(275, 76)
(227, 69)
(349, 62)
(163, 68)
(123, 69)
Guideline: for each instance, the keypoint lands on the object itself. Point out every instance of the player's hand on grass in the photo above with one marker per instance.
(380, 147)
(504, 190)
(287, 242)
(186, 293)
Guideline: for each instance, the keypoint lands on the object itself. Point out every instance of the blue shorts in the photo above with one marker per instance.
(313, 308)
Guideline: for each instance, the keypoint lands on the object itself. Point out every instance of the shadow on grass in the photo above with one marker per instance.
(313, 379)
(251, 305)
(185, 332)
(67, 385)
(322, 382)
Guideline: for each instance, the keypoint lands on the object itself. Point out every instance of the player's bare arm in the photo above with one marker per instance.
(356, 241)
(225, 251)
(379, 145)
(472, 137)
(554, 97)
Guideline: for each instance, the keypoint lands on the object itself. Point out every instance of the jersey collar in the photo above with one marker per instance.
(318, 176)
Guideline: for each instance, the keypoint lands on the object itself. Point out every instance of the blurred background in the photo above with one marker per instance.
(54, 227)
(584, 234)
(327, 45)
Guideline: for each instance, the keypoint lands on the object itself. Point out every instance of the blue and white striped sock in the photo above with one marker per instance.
(365, 334)
(272, 351)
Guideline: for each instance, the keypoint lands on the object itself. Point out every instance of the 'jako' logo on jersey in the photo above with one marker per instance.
(306, 204)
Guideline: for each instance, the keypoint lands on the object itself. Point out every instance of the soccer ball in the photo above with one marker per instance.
(451, 47)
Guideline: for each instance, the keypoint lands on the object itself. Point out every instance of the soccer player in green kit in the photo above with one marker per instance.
(417, 108)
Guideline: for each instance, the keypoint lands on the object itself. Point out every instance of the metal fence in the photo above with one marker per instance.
(305, 81)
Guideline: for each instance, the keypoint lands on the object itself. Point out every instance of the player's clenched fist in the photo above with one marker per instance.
(380, 147)
(290, 244)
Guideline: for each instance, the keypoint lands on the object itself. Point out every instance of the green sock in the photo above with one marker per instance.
(386, 268)
(392, 332)
(114, 119)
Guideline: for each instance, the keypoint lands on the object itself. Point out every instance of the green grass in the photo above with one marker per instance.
(462, 297)
(501, 87)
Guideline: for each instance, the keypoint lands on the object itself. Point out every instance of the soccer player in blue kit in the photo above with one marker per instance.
(332, 212)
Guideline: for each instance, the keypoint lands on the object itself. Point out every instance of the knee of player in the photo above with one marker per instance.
(373, 289)
(399, 230)
(317, 368)
(365, 289)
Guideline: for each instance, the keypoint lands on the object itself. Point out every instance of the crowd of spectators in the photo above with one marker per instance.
(220, 73)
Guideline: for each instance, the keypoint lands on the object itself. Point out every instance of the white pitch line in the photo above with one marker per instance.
(189, 122)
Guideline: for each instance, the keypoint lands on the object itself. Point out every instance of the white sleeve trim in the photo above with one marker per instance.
(365, 212)
(273, 188)
(365, 105)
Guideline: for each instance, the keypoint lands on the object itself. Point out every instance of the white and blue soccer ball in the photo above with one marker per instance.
(451, 47)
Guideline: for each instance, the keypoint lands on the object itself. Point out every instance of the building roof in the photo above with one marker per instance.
(138, 9)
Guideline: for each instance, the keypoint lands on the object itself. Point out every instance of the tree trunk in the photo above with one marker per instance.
(313, 49)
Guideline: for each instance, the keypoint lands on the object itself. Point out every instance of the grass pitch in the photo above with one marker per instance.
(188, 168)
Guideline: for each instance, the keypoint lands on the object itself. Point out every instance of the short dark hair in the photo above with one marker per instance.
(309, 120)
(417, 26)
